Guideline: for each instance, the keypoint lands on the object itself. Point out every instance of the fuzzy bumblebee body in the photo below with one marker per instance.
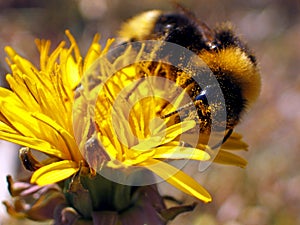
(227, 56)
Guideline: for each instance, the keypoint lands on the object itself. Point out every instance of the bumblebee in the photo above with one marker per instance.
(227, 56)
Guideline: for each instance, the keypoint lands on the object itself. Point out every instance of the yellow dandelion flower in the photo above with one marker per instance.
(128, 129)
(37, 111)
(42, 106)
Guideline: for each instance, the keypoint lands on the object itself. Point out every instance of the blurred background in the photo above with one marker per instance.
(268, 190)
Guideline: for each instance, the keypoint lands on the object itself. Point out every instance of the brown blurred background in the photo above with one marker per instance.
(268, 190)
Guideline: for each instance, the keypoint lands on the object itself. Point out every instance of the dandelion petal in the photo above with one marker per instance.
(178, 179)
(54, 172)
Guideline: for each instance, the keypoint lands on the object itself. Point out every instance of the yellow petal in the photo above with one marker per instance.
(26, 94)
(43, 47)
(23, 65)
(54, 172)
(74, 45)
(34, 128)
(235, 142)
(70, 69)
(147, 144)
(225, 157)
(8, 96)
(139, 158)
(6, 133)
(179, 152)
(66, 136)
(50, 103)
(109, 147)
(93, 53)
(178, 179)
(173, 131)
(21, 120)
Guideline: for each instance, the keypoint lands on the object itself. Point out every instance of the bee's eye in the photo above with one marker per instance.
(209, 92)
(169, 26)
(202, 97)
(212, 45)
